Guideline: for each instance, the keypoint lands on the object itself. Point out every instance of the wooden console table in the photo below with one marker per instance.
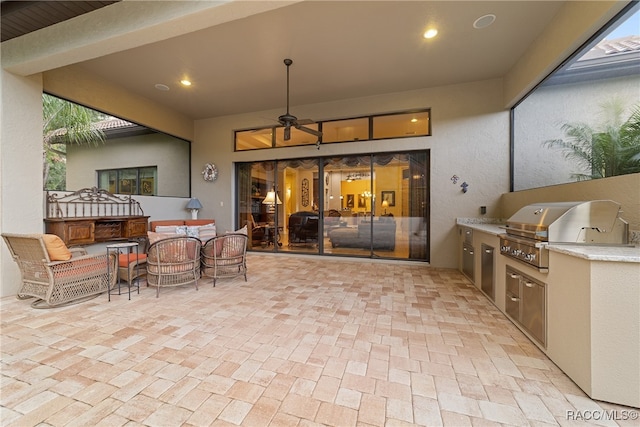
(92, 215)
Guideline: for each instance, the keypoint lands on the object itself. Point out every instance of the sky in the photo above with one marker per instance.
(631, 27)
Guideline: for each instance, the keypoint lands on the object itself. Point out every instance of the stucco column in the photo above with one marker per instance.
(21, 204)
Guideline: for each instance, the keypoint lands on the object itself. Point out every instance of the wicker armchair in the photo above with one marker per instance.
(58, 283)
(225, 256)
(174, 261)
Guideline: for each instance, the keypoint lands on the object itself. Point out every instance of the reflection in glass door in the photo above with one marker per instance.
(349, 204)
(365, 205)
(300, 205)
(260, 205)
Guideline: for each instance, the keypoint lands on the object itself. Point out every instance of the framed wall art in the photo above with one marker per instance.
(350, 201)
(389, 197)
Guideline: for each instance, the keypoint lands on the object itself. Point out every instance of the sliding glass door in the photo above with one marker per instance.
(360, 205)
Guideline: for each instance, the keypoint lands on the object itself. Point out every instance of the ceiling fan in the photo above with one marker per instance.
(287, 120)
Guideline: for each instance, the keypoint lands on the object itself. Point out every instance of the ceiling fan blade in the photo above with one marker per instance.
(309, 130)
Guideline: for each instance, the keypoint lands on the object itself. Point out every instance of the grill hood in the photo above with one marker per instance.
(591, 222)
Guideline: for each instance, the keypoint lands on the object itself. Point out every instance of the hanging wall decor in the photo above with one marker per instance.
(210, 172)
(305, 192)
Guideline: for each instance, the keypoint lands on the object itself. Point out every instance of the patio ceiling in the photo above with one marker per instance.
(341, 50)
(22, 17)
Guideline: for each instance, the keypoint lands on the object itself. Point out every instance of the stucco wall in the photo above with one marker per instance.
(470, 139)
(170, 155)
(21, 209)
(541, 115)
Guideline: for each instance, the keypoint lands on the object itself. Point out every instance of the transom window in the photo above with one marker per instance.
(391, 125)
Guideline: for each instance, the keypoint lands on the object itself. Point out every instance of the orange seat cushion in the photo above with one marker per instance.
(125, 259)
(56, 248)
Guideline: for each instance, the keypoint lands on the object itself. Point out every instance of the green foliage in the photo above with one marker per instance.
(613, 149)
(65, 123)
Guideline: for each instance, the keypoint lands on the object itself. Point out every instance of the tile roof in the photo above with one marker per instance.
(110, 124)
(620, 45)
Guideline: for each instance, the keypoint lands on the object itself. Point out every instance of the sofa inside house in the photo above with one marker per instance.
(384, 234)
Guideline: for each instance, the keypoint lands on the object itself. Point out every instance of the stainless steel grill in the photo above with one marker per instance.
(534, 226)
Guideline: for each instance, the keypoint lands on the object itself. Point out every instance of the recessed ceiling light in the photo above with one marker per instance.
(484, 21)
(430, 33)
(161, 87)
(185, 82)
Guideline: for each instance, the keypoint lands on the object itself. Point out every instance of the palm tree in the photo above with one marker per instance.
(612, 150)
(65, 123)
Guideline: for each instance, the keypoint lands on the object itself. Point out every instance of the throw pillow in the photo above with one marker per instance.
(166, 229)
(207, 232)
(56, 248)
(193, 231)
(154, 237)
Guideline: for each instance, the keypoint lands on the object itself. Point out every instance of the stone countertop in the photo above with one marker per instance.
(599, 252)
(493, 226)
(486, 225)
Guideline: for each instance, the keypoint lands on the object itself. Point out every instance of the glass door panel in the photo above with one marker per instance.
(348, 205)
(418, 205)
(259, 204)
(389, 224)
(367, 206)
(300, 215)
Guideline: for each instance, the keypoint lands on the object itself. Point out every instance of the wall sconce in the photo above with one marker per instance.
(193, 206)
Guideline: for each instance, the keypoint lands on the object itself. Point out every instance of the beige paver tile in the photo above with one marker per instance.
(235, 412)
(359, 343)
(336, 415)
(245, 391)
(300, 406)
(262, 412)
(167, 415)
(348, 398)
(138, 408)
(326, 389)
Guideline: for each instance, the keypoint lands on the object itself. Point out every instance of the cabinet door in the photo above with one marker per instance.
(486, 271)
(467, 261)
(533, 309)
(136, 227)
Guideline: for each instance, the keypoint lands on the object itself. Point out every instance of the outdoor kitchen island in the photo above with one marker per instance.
(591, 312)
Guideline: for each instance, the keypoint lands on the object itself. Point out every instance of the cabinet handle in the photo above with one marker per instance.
(488, 251)
(514, 276)
(528, 284)
(514, 299)
(470, 252)
(464, 249)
